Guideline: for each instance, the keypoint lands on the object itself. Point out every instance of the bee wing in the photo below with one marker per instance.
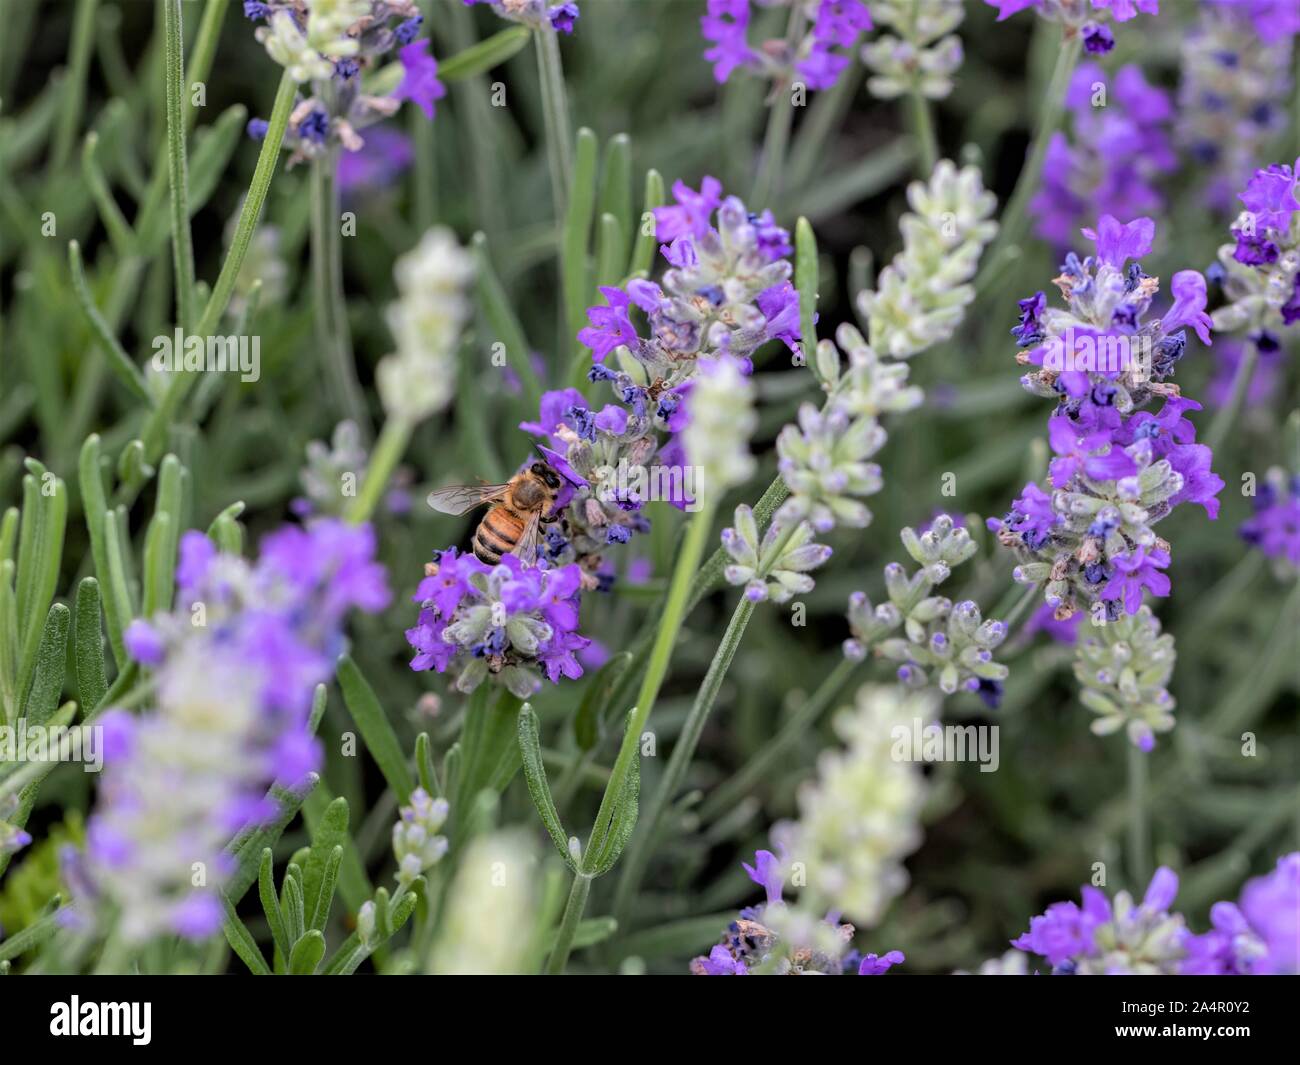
(459, 499)
(526, 549)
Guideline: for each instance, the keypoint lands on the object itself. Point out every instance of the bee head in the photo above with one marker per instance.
(547, 475)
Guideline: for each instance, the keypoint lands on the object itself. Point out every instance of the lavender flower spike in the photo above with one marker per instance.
(921, 296)
(921, 52)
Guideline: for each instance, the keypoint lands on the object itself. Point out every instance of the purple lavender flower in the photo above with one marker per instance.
(419, 82)
(1275, 526)
(1104, 939)
(1235, 84)
(1135, 571)
(726, 25)
(1097, 38)
(378, 164)
(1114, 160)
(182, 778)
(1110, 453)
(536, 14)
(1257, 936)
(874, 965)
(479, 621)
(1118, 242)
(693, 213)
(1031, 517)
(1090, 454)
(1078, 16)
(818, 59)
(1044, 620)
(610, 326)
(563, 17)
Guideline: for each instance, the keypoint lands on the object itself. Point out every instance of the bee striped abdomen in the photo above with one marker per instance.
(497, 534)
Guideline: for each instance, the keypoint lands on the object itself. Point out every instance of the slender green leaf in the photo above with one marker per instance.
(91, 480)
(329, 832)
(424, 767)
(616, 186)
(43, 560)
(502, 323)
(643, 251)
(611, 251)
(88, 646)
(241, 940)
(247, 846)
(124, 369)
(575, 268)
(484, 55)
(177, 172)
(51, 666)
(271, 902)
(530, 747)
(307, 953)
(380, 739)
(806, 280)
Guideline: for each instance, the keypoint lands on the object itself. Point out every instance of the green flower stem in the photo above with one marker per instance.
(670, 624)
(771, 165)
(1027, 597)
(923, 124)
(825, 116)
(1014, 220)
(389, 449)
(688, 741)
(1139, 825)
(155, 432)
(573, 910)
(796, 727)
(555, 111)
(177, 175)
(74, 83)
(634, 864)
(329, 303)
(1227, 415)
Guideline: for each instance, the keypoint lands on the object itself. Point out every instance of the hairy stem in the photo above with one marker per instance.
(388, 452)
(1015, 219)
(177, 177)
(329, 304)
(670, 624)
(1139, 826)
(555, 111)
(155, 432)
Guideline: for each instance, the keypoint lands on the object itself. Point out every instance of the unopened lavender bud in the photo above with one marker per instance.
(366, 923)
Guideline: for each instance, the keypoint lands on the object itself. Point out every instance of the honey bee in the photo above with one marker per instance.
(519, 508)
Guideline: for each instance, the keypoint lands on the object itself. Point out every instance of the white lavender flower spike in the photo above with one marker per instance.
(921, 296)
(426, 321)
(859, 816)
(922, 51)
(721, 407)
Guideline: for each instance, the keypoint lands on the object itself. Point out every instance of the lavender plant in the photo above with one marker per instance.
(261, 712)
